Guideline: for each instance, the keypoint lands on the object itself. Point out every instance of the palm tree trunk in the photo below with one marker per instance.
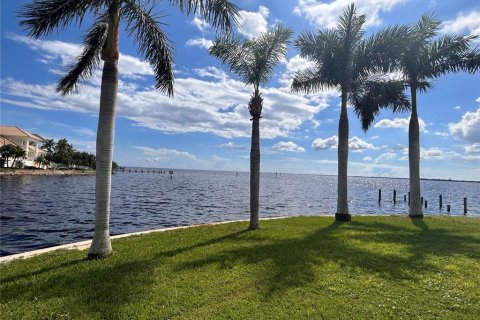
(342, 182)
(415, 210)
(101, 246)
(254, 173)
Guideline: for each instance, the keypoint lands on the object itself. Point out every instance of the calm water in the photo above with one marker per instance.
(43, 211)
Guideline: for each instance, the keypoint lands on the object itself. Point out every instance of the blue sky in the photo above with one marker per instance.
(206, 125)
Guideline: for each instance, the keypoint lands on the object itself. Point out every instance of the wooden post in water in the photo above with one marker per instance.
(426, 204)
(440, 201)
(408, 197)
(465, 206)
(394, 196)
(448, 208)
(404, 198)
(379, 195)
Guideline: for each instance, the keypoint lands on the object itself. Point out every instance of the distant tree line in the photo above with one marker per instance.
(63, 153)
(59, 153)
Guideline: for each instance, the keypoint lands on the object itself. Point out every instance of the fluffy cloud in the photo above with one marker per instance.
(472, 152)
(64, 54)
(323, 144)
(385, 157)
(464, 23)
(199, 42)
(325, 14)
(292, 65)
(231, 145)
(251, 24)
(358, 145)
(468, 127)
(401, 123)
(289, 146)
(355, 144)
(200, 24)
(211, 72)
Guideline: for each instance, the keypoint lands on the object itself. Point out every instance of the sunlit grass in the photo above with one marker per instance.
(296, 268)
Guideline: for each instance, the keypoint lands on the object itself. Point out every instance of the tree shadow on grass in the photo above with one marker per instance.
(101, 288)
(296, 262)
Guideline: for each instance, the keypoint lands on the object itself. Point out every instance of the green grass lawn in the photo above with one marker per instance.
(296, 268)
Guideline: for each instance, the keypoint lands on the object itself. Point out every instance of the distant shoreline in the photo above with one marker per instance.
(46, 172)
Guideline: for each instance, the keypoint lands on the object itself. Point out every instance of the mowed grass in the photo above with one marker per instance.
(295, 268)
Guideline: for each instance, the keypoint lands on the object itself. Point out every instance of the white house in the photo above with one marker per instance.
(28, 141)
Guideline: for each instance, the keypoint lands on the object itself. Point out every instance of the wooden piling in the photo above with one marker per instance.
(394, 196)
(448, 208)
(404, 198)
(465, 206)
(426, 204)
(440, 201)
(408, 197)
(379, 195)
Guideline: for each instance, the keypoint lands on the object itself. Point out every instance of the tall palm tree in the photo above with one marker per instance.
(345, 60)
(422, 58)
(41, 17)
(254, 60)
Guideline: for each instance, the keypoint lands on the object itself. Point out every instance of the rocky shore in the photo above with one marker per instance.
(46, 172)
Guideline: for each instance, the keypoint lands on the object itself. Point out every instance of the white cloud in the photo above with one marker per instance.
(323, 144)
(200, 24)
(468, 127)
(211, 72)
(355, 144)
(63, 53)
(385, 157)
(478, 100)
(441, 134)
(289, 146)
(217, 105)
(464, 23)
(166, 155)
(199, 42)
(472, 152)
(358, 145)
(292, 65)
(367, 159)
(473, 149)
(401, 123)
(252, 24)
(231, 145)
(457, 108)
(325, 14)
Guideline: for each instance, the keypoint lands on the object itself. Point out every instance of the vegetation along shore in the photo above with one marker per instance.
(46, 172)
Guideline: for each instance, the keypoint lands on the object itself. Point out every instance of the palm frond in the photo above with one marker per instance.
(350, 26)
(235, 53)
(88, 60)
(41, 17)
(153, 43)
(426, 28)
(219, 13)
(269, 48)
(371, 95)
(310, 81)
(381, 52)
(450, 54)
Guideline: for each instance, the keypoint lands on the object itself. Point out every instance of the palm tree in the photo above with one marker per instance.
(422, 59)
(254, 60)
(344, 60)
(41, 17)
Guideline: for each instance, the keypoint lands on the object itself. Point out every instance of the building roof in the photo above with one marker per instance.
(4, 141)
(11, 131)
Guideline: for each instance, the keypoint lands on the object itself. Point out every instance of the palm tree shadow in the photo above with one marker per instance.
(296, 262)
